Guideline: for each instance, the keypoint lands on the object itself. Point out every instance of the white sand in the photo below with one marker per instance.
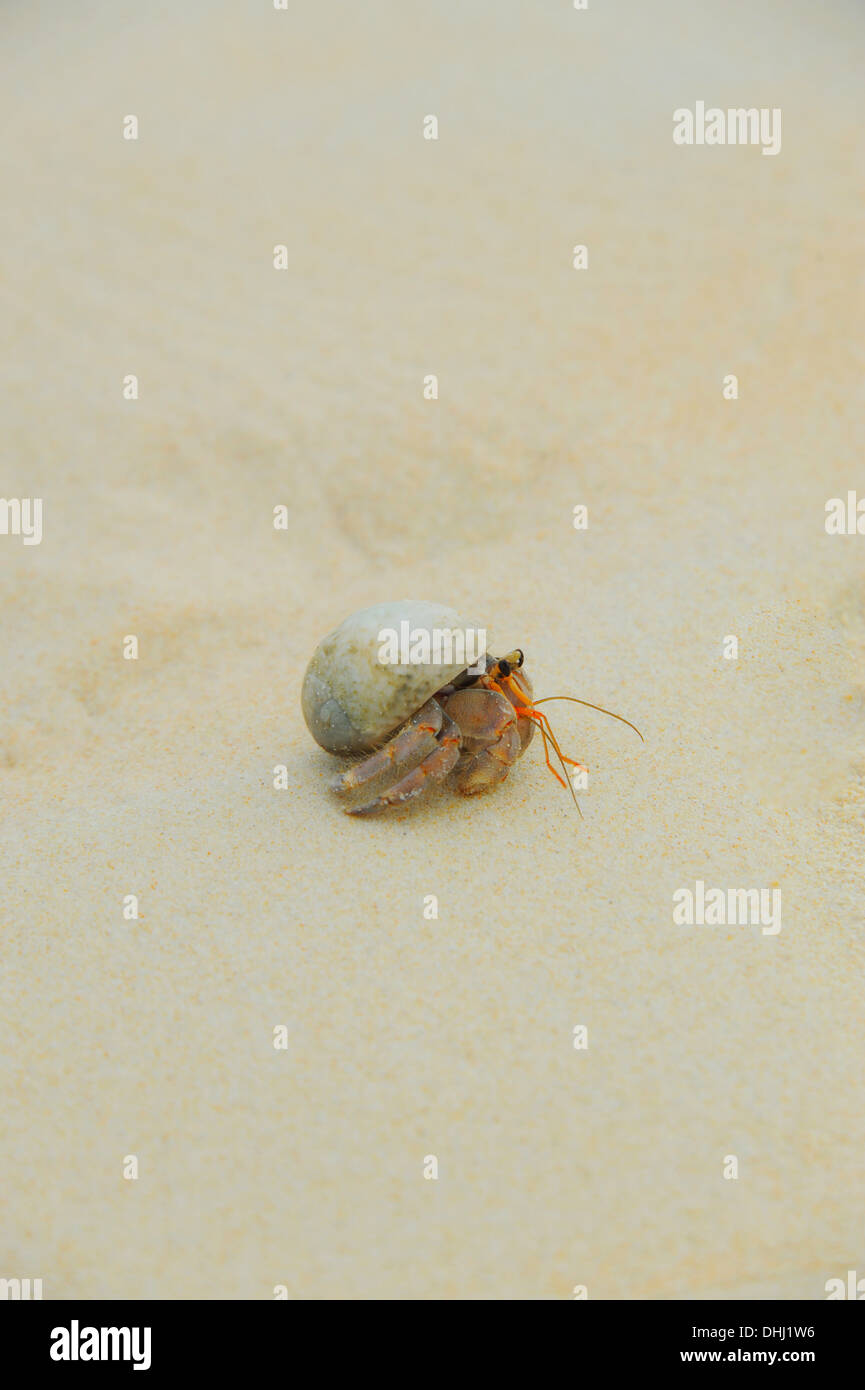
(262, 907)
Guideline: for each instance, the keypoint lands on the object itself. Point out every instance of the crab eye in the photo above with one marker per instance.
(520, 658)
(504, 668)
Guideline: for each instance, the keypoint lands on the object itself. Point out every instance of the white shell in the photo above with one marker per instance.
(351, 700)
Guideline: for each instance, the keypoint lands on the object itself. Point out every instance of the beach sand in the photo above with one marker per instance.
(261, 907)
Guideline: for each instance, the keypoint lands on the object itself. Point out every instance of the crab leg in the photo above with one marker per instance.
(528, 710)
(417, 739)
(435, 766)
(543, 733)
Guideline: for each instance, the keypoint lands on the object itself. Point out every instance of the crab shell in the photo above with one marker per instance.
(351, 701)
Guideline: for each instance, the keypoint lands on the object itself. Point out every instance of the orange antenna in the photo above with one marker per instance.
(526, 707)
(621, 718)
(565, 781)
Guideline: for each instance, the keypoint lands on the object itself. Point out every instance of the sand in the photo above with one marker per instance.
(262, 907)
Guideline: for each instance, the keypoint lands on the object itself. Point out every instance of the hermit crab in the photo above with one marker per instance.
(411, 688)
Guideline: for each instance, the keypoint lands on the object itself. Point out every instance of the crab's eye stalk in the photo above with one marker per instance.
(512, 662)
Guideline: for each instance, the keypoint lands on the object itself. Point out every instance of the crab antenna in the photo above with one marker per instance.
(528, 705)
(545, 733)
(621, 718)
